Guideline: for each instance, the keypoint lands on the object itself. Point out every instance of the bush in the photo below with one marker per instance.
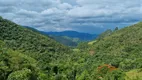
(24, 74)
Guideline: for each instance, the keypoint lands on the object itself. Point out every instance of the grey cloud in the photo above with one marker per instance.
(26, 13)
(6, 9)
(72, 2)
(8, 2)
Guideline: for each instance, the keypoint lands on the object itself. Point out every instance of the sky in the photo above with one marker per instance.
(91, 16)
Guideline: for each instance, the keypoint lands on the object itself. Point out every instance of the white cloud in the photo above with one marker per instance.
(65, 6)
(51, 11)
(81, 15)
(53, 28)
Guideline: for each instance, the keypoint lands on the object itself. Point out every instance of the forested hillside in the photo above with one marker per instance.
(120, 48)
(47, 52)
(124, 47)
(26, 54)
(17, 66)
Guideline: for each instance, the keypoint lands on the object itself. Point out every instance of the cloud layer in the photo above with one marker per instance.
(92, 16)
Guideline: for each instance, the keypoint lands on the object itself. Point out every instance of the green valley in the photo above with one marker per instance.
(26, 54)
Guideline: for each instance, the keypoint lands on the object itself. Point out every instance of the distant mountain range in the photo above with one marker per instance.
(74, 34)
(70, 38)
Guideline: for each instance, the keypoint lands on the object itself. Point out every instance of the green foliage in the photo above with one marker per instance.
(17, 66)
(84, 76)
(115, 75)
(105, 34)
(83, 45)
(135, 74)
(24, 74)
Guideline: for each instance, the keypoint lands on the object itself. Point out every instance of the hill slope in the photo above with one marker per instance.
(127, 40)
(43, 49)
(27, 40)
(13, 63)
(123, 48)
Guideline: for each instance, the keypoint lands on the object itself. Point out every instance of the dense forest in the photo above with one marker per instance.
(26, 54)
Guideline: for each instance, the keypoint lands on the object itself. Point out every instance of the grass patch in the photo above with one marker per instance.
(135, 74)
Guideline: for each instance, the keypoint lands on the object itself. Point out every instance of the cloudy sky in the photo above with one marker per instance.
(93, 16)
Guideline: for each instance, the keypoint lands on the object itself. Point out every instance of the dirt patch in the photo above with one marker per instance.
(110, 68)
(91, 52)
